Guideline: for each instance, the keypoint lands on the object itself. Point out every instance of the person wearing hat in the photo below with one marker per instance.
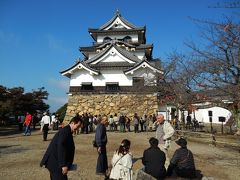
(154, 160)
(182, 162)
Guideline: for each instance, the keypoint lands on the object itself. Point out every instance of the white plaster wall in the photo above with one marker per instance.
(110, 76)
(100, 80)
(134, 37)
(147, 73)
(139, 54)
(91, 55)
(202, 114)
(80, 76)
(165, 111)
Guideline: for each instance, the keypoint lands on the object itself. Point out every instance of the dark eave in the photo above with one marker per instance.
(140, 29)
(95, 32)
(92, 49)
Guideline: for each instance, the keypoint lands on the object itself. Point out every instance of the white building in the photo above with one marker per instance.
(118, 64)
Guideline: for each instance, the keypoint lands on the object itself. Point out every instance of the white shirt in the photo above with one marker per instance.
(45, 120)
(121, 166)
(53, 119)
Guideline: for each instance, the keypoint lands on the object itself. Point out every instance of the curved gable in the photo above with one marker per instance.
(115, 56)
(144, 64)
(78, 66)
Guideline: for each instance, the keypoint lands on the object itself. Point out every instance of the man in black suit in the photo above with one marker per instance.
(154, 160)
(60, 153)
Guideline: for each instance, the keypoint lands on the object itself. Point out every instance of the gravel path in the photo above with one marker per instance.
(20, 156)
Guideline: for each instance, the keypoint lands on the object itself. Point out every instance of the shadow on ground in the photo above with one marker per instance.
(9, 130)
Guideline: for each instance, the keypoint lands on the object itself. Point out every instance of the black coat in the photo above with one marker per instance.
(154, 160)
(182, 163)
(60, 151)
(101, 141)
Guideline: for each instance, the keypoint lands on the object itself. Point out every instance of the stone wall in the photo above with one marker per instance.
(111, 103)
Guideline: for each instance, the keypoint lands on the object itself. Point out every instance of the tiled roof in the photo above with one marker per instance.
(68, 71)
(86, 50)
(92, 30)
(111, 64)
(93, 48)
(116, 42)
(117, 14)
(125, 53)
(140, 63)
(144, 46)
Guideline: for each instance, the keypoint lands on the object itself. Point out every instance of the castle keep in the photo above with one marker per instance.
(118, 73)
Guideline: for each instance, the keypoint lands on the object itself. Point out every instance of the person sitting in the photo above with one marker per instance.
(154, 160)
(122, 162)
(182, 162)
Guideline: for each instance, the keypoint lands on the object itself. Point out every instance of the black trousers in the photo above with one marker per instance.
(45, 131)
(57, 176)
(102, 162)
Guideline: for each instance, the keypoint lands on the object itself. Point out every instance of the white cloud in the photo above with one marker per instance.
(62, 84)
(57, 93)
(56, 102)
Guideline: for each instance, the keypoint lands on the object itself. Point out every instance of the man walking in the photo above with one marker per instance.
(27, 123)
(45, 125)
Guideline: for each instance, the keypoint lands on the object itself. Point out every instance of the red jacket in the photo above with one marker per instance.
(28, 119)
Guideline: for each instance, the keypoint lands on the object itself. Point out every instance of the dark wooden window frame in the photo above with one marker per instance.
(87, 86)
(112, 86)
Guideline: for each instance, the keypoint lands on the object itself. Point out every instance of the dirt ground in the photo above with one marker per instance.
(20, 155)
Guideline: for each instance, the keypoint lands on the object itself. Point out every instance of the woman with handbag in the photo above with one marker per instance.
(122, 162)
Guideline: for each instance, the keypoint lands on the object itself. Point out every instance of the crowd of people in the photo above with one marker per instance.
(59, 156)
(121, 122)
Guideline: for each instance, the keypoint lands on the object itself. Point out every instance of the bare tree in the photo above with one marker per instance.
(177, 87)
(217, 63)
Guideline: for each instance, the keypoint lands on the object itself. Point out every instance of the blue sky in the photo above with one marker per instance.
(40, 38)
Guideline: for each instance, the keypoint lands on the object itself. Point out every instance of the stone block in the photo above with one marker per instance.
(141, 175)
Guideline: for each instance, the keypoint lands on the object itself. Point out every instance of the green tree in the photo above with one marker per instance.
(14, 101)
(61, 112)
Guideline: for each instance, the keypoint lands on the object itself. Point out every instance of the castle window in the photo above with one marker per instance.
(107, 39)
(138, 81)
(86, 86)
(112, 86)
(127, 39)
